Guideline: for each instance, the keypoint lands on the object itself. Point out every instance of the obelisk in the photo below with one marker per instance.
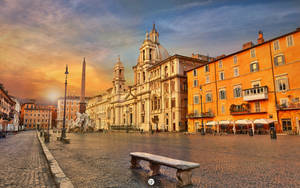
(82, 106)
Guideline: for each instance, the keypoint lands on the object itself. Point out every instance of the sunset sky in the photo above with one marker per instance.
(39, 37)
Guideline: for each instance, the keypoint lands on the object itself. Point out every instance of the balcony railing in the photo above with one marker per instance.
(201, 115)
(290, 106)
(256, 93)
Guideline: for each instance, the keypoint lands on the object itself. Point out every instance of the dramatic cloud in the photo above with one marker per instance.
(38, 38)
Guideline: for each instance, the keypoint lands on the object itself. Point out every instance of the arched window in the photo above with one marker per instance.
(144, 76)
(166, 71)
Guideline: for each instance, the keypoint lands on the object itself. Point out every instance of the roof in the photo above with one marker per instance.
(176, 56)
(237, 52)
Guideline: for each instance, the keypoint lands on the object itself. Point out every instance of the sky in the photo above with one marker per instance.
(39, 37)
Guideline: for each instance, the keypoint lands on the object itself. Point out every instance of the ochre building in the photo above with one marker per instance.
(249, 89)
(37, 116)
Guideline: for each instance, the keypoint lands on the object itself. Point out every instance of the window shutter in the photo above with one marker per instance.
(251, 69)
(275, 61)
(283, 59)
(257, 65)
(287, 84)
(277, 85)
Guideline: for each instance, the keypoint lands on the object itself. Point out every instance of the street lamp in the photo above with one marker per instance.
(63, 131)
(202, 126)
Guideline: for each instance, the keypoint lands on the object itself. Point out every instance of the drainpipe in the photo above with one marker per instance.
(273, 78)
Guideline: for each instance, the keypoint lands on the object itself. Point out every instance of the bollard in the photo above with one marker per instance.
(250, 132)
(202, 131)
(273, 131)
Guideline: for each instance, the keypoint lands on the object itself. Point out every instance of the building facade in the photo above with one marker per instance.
(251, 88)
(7, 106)
(72, 106)
(158, 98)
(37, 116)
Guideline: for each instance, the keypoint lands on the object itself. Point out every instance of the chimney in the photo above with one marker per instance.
(248, 45)
(260, 37)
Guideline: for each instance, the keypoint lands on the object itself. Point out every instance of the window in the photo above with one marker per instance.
(208, 97)
(195, 83)
(172, 86)
(223, 109)
(143, 118)
(222, 94)
(237, 91)
(207, 79)
(173, 103)
(255, 84)
(276, 45)
(235, 59)
(284, 102)
(282, 84)
(144, 76)
(167, 103)
(289, 40)
(195, 111)
(195, 72)
(257, 106)
(254, 67)
(252, 52)
(150, 54)
(166, 71)
(286, 124)
(279, 60)
(173, 68)
(236, 71)
(166, 86)
(206, 68)
(196, 99)
(143, 55)
(221, 75)
(220, 64)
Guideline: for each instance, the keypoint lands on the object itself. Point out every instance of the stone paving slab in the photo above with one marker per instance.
(22, 163)
(61, 180)
(102, 160)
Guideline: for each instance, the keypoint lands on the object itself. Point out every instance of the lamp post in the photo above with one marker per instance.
(63, 131)
(202, 126)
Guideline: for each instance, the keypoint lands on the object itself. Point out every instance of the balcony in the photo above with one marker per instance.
(256, 93)
(244, 109)
(289, 106)
(201, 115)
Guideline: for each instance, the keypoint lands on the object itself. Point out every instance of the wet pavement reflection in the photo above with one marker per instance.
(102, 159)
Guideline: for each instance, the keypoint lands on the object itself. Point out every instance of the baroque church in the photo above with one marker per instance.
(157, 100)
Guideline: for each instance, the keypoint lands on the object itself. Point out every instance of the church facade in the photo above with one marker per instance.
(157, 100)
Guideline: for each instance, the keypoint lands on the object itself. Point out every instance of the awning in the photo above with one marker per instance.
(211, 123)
(263, 121)
(225, 122)
(243, 122)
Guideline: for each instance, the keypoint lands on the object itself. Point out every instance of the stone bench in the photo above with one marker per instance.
(184, 168)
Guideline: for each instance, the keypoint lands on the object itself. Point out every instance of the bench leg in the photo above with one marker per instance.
(184, 177)
(154, 169)
(135, 163)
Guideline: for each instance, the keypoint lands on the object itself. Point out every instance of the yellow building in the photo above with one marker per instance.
(248, 89)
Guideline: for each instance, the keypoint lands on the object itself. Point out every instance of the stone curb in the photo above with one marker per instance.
(61, 180)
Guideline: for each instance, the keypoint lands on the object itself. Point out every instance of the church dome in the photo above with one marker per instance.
(161, 52)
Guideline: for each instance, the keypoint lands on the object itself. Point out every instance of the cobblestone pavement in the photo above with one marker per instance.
(102, 160)
(22, 163)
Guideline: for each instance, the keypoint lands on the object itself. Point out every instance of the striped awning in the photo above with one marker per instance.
(211, 123)
(243, 122)
(263, 121)
(225, 122)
